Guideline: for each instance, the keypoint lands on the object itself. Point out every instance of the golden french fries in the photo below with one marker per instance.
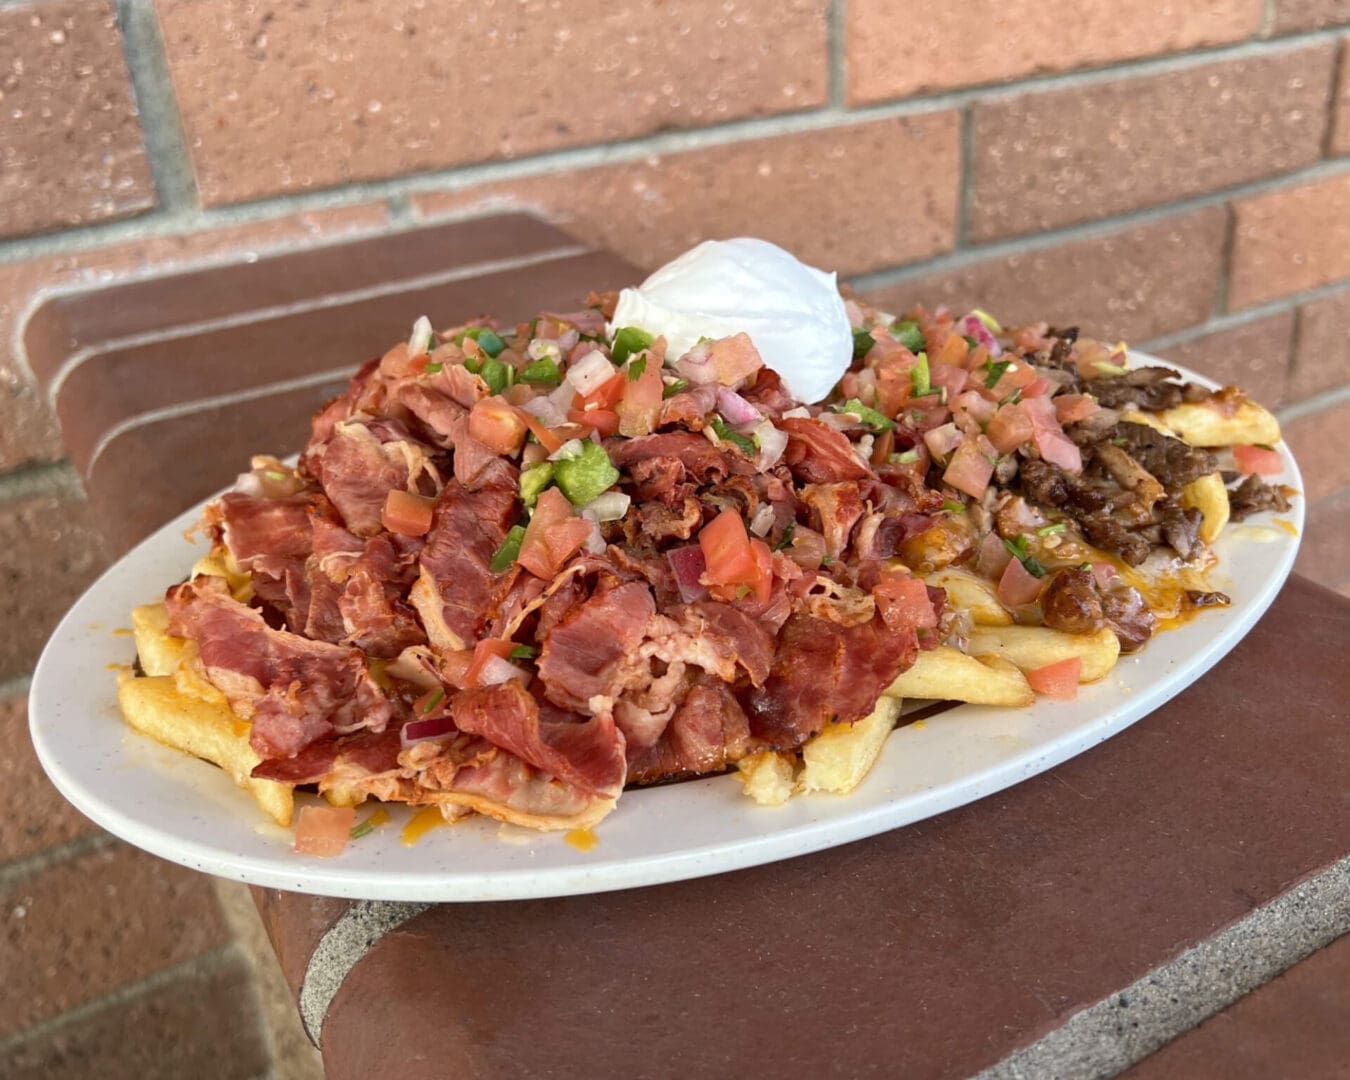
(159, 652)
(839, 757)
(1134, 416)
(971, 593)
(1210, 497)
(947, 674)
(768, 777)
(1213, 423)
(156, 707)
(1033, 647)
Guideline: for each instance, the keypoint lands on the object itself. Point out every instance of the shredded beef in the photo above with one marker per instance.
(1173, 462)
(1145, 388)
(1253, 496)
(1070, 602)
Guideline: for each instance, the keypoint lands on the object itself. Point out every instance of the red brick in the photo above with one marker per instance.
(1254, 356)
(1292, 1026)
(1339, 142)
(70, 147)
(1294, 15)
(946, 43)
(828, 196)
(285, 97)
(1318, 443)
(1134, 283)
(202, 1026)
(52, 553)
(81, 928)
(1324, 554)
(1290, 239)
(1043, 160)
(32, 815)
(1322, 360)
(28, 432)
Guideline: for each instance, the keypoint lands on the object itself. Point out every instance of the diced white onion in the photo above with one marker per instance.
(546, 409)
(772, 444)
(543, 349)
(570, 449)
(610, 505)
(496, 670)
(595, 543)
(762, 521)
(863, 448)
(420, 340)
(590, 372)
(801, 412)
(563, 397)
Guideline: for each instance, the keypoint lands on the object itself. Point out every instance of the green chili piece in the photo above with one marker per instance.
(583, 477)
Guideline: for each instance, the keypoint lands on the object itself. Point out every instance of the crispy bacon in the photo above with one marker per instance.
(592, 652)
(707, 731)
(818, 454)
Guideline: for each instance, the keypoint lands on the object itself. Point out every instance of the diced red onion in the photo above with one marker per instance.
(762, 520)
(735, 409)
(941, 441)
(433, 727)
(610, 505)
(420, 339)
(590, 372)
(697, 366)
(772, 444)
(689, 565)
(973, 326)
(495, 671)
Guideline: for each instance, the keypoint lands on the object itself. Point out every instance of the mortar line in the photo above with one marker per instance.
(1201, 982)
(629, 150)
(1222, 286)
(16, 686)
(837, 53)
(32, 481)
(1234, 319)
(203, 965)
(965, 195)
(1087, 230)
(1327, 399)
(1267, 27)
(161, 124)
(16, 872)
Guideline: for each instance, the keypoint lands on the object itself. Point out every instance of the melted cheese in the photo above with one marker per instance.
(582, 839)
(422, 822)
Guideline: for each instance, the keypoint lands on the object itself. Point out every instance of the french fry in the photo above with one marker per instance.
(155, 707)
(971, 593)
(159, 651)
(1212, 423)
(839, 757)
(1032, 647)
(1210, 497)
(1134, 416)
(768, 777)
(948, 674)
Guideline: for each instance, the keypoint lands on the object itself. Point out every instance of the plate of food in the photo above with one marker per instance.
(667, 586)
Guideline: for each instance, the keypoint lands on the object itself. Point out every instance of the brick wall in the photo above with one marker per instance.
(1175, 174)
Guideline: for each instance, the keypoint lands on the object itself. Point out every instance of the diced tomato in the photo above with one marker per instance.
(1017, 375)
(604, 396)
(735, 359)
(893, 386)
(497, 424)
(977, 358)
(953, 351)
(1017, 587)
(763, 583)
(1058, 680)
(1009, 428)
(1104, 572)
(1070, 408)
(726, 550)
(903, 602)
(970, 467)
(641, 403)
(482, 652)
(406, 513)
(883, 446)
(1054, 446)
(1038, 387)
(454, 666)
(545, 545)
(547, 439)
(605, 421)
(992, 558)
(324, 830)
(972, 412)
(1257, 460)
(953, 378)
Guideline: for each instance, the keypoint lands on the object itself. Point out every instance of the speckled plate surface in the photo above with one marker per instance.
(189, 812)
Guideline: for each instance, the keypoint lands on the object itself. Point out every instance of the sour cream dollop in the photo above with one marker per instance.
(792, 312)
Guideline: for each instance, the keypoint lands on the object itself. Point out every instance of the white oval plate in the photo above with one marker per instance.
(189, 812)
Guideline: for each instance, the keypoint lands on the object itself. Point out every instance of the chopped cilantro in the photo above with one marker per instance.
(542, 372)
(909, 335)
(365, 827)
(431, 369)
(1118, 441)
(918, 377)
(678, 386)
(996, 371)
(786, 538)
(433, 701)
(974, 343)
(827, 560)
(629, 340)
(870, 417)
(1018, 547)
(523, 652)
(1048, 530)
(637, 368)
(909, 457)
(274, 474)
(953, 506)
(505, 556)
(862, 343)
(746, 443)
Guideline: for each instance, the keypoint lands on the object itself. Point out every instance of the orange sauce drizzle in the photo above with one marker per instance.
(1286, 525)
(422, 822)
(582, 839)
